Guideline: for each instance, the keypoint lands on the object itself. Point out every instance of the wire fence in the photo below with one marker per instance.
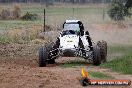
(57, 11)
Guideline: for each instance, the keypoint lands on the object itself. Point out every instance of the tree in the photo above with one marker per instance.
(128, 4)
(118, 11)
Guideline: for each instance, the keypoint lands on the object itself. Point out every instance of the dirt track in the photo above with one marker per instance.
(23, 71)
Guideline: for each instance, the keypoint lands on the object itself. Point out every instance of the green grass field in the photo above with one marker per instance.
(56, 15)
(12, 24)
(122, 63)
(99, 75)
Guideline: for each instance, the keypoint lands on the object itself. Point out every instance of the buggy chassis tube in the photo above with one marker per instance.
(60, 53)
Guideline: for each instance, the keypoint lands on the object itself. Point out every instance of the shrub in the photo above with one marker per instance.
(5, 14)
(16, 13)
(118, 11)
(29, 17)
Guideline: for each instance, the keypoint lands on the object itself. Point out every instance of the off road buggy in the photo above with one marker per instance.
(73, 41)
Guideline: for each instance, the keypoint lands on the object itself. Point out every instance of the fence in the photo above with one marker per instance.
(88, 13)
(57, 14)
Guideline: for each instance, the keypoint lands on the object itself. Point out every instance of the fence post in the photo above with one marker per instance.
(44, 20)
(73, 9)
(103, 14)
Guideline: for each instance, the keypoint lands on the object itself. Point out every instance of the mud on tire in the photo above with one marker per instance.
(54, 52)
(103, 50)
(82, 48)
(96, 55)
(55, 46)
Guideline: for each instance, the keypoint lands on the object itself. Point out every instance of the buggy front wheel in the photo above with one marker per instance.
(42, 57)
(96, 55)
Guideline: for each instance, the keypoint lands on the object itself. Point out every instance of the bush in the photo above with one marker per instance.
(118, 11)
(16, 13)
(29, 17)
(5, 14)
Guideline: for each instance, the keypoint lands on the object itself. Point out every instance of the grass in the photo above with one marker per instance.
(99, 75)
(119, 48)
(57, 15)
(4, 39)
(21, 35)
(12, 24)
(62, 10)
(123, 63)
(92, 74)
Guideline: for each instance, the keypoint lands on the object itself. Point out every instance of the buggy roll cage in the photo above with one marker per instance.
(80, 26)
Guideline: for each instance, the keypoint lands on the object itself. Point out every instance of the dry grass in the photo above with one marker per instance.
(27, 34)
(13, 13)
(16, 13)
(22, 35)
(5, 14)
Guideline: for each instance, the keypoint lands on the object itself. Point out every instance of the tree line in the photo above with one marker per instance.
(65, 1)
(58, 1)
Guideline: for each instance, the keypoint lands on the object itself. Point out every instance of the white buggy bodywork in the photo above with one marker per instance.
(71, 41)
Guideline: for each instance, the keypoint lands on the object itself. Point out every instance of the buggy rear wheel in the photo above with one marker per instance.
(96, 55)
(103, 50)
